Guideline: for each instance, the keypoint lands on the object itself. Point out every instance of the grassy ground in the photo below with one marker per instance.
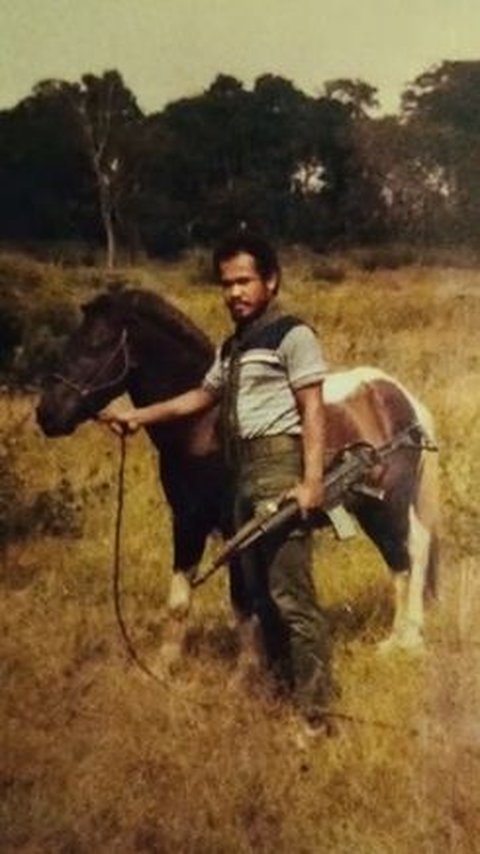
(96, 757)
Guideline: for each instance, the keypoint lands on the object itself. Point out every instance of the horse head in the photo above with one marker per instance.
(93, 370)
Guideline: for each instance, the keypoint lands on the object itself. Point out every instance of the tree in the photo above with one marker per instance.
(108, 118)
(414, 189)
(358, 95)
(44, 174)
(446, 94)
(444, 105)
(69, 161)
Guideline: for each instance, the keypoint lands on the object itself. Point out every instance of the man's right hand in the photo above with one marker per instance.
(120, 422)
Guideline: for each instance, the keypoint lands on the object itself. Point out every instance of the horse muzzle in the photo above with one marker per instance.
(55, 421)
(50, 426)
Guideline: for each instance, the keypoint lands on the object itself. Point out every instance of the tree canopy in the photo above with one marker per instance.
(81, 161)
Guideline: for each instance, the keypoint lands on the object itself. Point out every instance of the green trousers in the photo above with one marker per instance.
(277, 575)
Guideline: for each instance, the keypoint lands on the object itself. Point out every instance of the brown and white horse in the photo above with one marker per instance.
(136, 342)
(365, 404)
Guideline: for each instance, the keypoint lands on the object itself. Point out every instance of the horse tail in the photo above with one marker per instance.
(427, 511)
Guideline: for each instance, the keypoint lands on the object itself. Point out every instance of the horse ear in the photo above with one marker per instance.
(86, 307)
(100, 303)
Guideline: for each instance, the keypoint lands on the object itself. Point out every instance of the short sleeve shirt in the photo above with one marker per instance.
(268, 380)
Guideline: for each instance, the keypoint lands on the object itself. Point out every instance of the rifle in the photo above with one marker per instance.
(345, 475)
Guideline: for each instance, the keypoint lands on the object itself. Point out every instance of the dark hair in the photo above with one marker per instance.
(262, 252)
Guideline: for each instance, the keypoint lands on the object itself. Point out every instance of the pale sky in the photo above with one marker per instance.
(167, 49)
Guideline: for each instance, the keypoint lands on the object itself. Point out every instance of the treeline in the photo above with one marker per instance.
(81, 162)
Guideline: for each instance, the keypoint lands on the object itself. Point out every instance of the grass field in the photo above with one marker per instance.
(95, 757)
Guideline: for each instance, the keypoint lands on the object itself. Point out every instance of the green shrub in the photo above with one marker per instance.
(11, 332)
(43, 340)
(328, 271)
(36, 314)
(386, 257)
(56, 512)
(201, 272)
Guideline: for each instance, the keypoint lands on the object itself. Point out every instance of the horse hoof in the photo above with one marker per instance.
(305, 736)
(413, 643)
(407, 641)
(246, 676)
(179, 596)
(167, 661)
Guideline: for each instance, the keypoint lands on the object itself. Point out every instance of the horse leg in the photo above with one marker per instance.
(251, 656)
(250, 661)
(388, 526)
(409, 586)
(422, 550)
(178, 607)
(400, 588)
(180, 593)
(410, 635)
(189, 542)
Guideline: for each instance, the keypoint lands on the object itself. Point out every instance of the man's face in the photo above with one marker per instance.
(246, 294)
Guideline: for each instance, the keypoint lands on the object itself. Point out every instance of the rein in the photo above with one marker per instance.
(117, 565)
(92, 385)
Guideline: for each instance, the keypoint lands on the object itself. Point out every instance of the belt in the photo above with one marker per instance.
(264, 446)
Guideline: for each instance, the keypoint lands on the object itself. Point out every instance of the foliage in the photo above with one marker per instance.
(360, 96)
(80, 161)
(271, 156)
(444, 103)
(38, 309)
(327, 271)
(53, 512)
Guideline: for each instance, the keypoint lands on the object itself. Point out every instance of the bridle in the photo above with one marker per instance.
(92, 385)
(83, 391)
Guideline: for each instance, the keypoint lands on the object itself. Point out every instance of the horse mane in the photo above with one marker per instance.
(157, 310)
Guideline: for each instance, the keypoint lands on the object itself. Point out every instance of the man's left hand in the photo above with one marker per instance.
(308, 495)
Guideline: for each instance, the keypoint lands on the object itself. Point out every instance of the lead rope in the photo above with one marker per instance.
(229, 409)
(117, 566)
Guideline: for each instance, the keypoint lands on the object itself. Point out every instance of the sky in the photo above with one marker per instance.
(168, 49)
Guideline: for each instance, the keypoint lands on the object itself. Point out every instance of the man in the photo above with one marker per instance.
(268, 377)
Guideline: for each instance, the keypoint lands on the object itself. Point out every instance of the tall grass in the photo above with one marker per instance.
(96, 757)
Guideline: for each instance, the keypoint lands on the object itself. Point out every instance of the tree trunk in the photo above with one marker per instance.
(111, 242)
(106, 210)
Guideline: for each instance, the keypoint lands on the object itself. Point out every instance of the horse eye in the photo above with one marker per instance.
(101, 340)
(96, 336)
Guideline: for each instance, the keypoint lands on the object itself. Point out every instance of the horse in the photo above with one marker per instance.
(135, 341)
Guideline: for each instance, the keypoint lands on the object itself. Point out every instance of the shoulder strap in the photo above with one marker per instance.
(267, 338)
(272, 335)
(226, 348)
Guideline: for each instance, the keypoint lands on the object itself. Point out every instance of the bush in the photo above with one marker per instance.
(202, 272)
(11, 332)
(328, 271)
(386, 257)
(43, 338)
(35, 317)
(56, 513)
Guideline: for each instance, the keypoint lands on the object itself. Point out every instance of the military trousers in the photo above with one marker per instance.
(273, 578)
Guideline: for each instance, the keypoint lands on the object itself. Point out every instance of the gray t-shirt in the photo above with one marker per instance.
(268, 378)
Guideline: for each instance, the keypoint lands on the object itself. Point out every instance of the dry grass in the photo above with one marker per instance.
(95, 757)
